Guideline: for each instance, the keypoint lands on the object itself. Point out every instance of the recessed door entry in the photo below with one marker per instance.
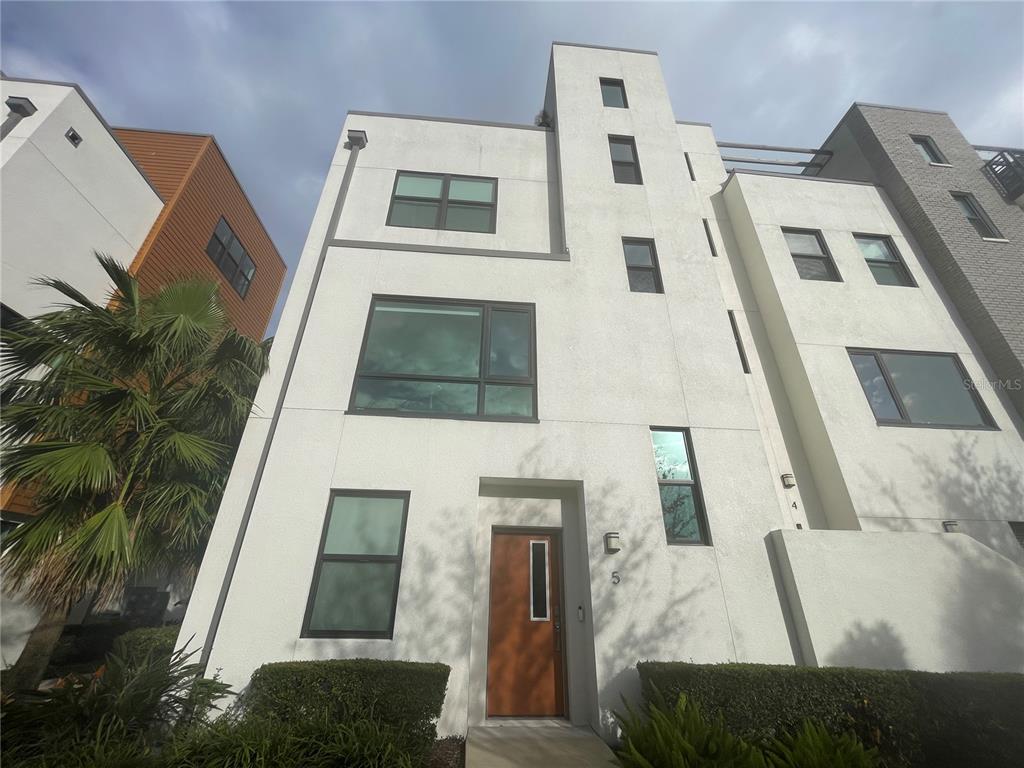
(525, 651)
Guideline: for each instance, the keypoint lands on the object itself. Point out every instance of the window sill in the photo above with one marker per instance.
(980, 428)
(941, 165)
(444, 417)
(995, 239)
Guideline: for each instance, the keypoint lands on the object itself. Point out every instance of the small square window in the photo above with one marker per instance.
(811, 257)
(625, 165)
(642, 266)
(884, 260)
(929, 151)
(613, 93)
(975, 215)
(682, 505)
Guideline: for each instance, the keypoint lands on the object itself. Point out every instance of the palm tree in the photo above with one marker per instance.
(123, 418)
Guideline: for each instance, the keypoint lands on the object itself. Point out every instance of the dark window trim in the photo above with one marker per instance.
(321, 558)
(223, 254)
(825, 255)
(442, 207)
(698, 495)
(904, 420)
(631, 141)
(739, 341)
(711, 240)
(482, 380)
(620, 85)
(907, 275)
(655, 266)
(689, 166)
(979, 215)
(934, 153)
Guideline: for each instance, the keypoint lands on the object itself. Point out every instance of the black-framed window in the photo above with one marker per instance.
(979, 219)
(625, 164)
(682, 505)
(613, 93)
(928, 389)
(355, 582)
(227, 252)
(929, 150)
(884, 260)
(448, 358)
(642, 268)
(444, 201)
(540, 590)
(810, 255)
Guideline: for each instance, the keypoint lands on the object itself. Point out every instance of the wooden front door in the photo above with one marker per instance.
(524, 643)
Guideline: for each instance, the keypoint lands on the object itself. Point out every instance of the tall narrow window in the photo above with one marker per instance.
(613, 93)
(884, 260)
(739, 342)
(979, 219)
(929, 151)
(355, 582)
(226, 251)
(682, 505)
(625, 165)
(811, 257)
(456, 359)
(929, 389)
(444, 201)
(711, 240)
(539, 587)
(689, 166)
(642, 266)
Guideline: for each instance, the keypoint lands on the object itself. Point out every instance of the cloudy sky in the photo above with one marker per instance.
(273, 81)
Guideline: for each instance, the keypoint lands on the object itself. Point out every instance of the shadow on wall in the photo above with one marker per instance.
(875, 647)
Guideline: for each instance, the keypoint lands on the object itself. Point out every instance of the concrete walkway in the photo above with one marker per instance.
(543, 745)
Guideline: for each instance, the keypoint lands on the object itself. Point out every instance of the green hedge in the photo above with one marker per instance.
(404, 695)
(915, 719)
(137, 643)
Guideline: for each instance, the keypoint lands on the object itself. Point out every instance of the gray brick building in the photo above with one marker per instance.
(922, 159)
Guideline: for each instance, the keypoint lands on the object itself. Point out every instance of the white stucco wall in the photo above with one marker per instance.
(59, 203)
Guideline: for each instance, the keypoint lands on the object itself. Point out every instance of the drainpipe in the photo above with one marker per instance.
(356, 141)
(20, 107)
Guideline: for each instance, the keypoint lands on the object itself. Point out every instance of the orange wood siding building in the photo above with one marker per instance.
(198, 187)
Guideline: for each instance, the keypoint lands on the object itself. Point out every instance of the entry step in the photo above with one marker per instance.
(534, 745)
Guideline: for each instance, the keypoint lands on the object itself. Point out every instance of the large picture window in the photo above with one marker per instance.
(226, 251)
(355, 583)
(928, 389)
(456, 359)
(444, 201)
(682, 505)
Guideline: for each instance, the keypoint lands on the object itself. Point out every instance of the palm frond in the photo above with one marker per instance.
(65, 468)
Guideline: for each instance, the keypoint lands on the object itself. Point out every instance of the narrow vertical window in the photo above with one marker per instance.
(613, 93)
(810, 256)
(711, 240)
(689, 166)
(355, 582)
(642, 266)
(739, 342)
(625, 165)
(539, 586)
(884, 260)
(682, 505)
(975, 215)
(227, 252)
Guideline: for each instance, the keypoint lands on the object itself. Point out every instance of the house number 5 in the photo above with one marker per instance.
(615, 577)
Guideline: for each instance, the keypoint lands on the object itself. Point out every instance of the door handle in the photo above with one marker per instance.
(558, 636)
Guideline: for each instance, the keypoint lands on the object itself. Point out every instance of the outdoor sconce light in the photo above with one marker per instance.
(950, 526)
(612, 543)
(788, 481)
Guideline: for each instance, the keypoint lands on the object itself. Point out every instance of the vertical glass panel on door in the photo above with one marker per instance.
(364, 525)
(538, 581)
(423, 339)
(510, 344)
(671, 460)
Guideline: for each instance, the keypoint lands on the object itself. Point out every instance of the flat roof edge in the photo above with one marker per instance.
(901, 109)
(776, 174)
(457, 120)
(693, 122)
(604, 47)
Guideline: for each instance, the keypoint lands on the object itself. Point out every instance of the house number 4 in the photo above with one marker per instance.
(615, 577)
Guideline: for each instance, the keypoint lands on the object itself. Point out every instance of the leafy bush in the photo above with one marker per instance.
(406, 696)
(255, 742)
(913, 718)
(812, 746)
(679, 736)
(138, 643)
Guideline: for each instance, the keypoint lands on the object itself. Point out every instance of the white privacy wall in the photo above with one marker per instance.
(59, 203)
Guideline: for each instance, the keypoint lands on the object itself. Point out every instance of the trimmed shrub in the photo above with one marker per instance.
(137, 643)
(404, 695)
(914, 718)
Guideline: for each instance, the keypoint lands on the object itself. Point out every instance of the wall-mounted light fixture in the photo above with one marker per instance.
(788, 481)
(73, 136)
(950, 526)
(612, 543)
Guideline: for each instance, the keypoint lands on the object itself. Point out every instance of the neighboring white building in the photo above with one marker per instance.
(588, 475)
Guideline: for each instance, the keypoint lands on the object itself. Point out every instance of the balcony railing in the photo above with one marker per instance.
(1006, 171)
